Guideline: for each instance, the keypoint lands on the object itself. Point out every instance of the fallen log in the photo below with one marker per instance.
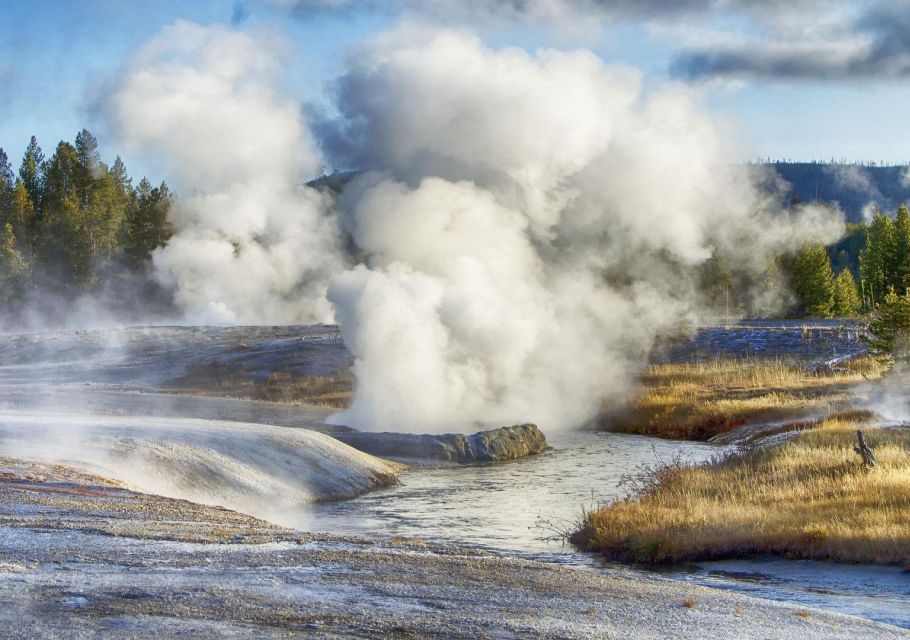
(830, 365)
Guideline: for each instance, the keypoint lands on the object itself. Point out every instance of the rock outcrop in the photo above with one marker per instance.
(505, 443)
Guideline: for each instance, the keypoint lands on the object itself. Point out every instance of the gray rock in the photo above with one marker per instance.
(505, 443)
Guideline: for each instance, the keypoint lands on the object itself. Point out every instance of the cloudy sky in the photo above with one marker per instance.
(804, 79)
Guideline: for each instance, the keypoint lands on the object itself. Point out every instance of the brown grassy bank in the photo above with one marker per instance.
(807, 498)
(699, 400)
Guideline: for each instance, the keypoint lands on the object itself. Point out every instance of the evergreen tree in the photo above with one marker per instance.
(876, 260)
(104, 216)
(31, 172)
(89, 166)
(717, 280)
(13, 269)
(769, 292)
(119, 174)
(64, 243)
(6, 186)
(6, 170)
(146, 226)
(22, 218)
(889, 327)
(813, 281)
(846, 296)
(900, 267)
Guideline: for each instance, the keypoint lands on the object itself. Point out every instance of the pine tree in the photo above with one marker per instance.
(877, 258)
(717, 280)
(146, 226)
(89, 166)
(13, 269)
(846, 296)
(31, 172)
(889, 326)
(6, 186)
(64, 240)
(22, 218)
(900, 266)
(119, 174)
(61, 175)
(104, 216)
(6, 169)
(813, 281)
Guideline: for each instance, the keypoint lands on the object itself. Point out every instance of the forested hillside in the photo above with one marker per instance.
(852, 186)
(70, 225)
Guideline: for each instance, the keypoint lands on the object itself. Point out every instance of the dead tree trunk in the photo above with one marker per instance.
(864, 452)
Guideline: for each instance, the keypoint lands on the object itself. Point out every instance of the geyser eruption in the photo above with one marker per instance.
(253, 245)
(524, 226)
(529, 229)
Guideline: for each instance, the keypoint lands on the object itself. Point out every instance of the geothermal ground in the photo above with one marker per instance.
(104, 529)
(85, 557)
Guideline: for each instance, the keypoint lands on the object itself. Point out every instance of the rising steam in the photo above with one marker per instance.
(253, 244)
(526, 227)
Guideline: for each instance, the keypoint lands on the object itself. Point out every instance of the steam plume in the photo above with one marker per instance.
(528, 226)
(253, 245)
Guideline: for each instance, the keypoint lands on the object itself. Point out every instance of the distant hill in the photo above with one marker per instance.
(852, 186)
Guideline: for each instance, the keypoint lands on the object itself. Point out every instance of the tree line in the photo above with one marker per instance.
(70, 224)
(877, 251)
(869, 265)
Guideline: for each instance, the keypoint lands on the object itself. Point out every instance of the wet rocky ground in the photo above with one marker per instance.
(84, 557)
(810, 341)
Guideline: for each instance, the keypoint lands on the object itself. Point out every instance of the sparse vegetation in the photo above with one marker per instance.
(806, 498)
(699, 400)
(280, 386)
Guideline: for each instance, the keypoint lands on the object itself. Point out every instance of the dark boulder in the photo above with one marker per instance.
(505, 443)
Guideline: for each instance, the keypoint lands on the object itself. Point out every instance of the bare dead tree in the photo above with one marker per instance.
(864, 451)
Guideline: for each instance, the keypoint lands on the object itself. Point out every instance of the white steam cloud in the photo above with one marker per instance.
(528, 226)
(530, 230)
(253, 244)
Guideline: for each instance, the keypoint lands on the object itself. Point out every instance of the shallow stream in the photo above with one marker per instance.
(501, 507)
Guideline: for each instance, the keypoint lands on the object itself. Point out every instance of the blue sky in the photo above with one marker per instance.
(54, 55)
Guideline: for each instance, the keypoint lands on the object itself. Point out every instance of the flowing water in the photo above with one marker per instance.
(501, 507)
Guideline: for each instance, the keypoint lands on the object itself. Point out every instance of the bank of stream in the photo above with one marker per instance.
(501, 507)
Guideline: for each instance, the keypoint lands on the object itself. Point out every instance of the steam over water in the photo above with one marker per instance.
(522, 229)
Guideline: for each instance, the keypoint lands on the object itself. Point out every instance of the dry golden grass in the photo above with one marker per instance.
(696, 401)
(282, 386)
(807, 498)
